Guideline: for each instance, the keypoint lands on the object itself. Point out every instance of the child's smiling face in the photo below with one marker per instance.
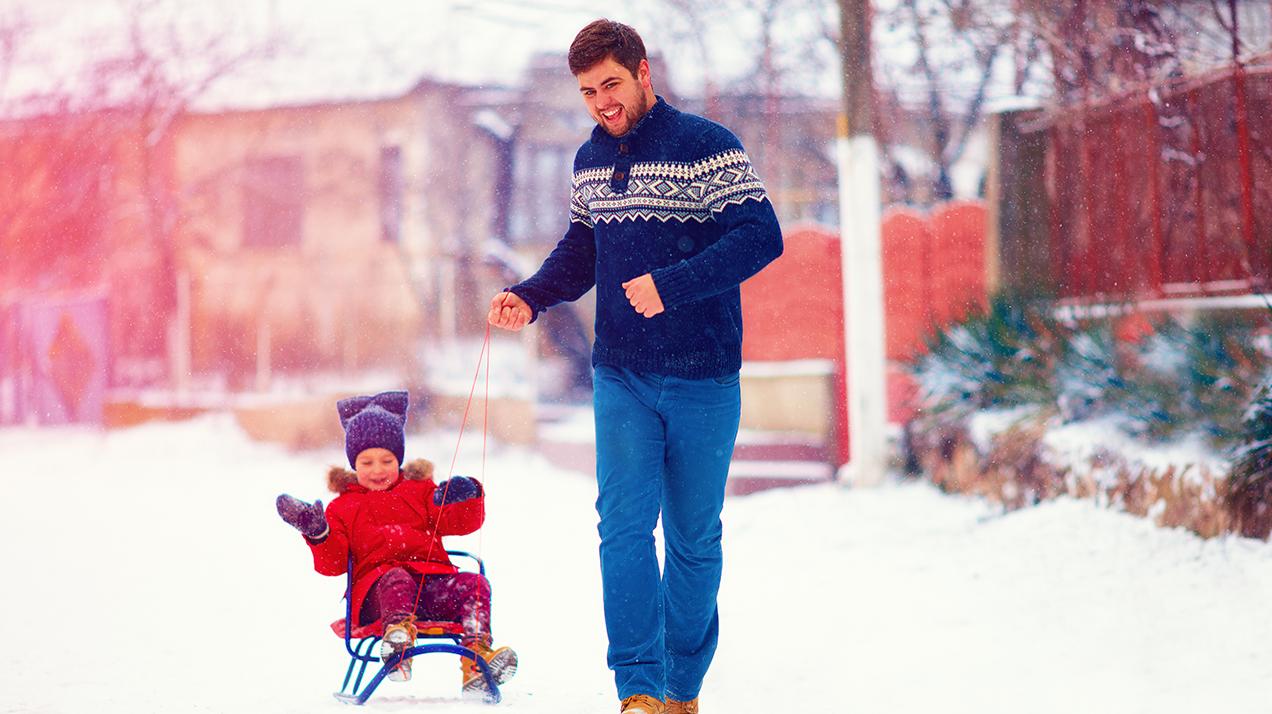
(377, 469)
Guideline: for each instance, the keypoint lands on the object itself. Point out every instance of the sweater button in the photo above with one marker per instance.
(620, 175)
(622, 149)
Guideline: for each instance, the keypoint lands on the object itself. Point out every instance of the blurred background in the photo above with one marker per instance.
(263, 205)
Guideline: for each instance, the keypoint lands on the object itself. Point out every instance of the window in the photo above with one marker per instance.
(273, 202)
(548, 176)
(391, 193)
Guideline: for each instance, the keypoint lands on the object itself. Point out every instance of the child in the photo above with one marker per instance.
(392, 521)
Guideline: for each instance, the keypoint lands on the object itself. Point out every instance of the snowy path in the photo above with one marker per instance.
(148, 572)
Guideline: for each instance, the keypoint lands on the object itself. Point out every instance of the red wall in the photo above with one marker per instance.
(792, 309)
(958, 230)
(907, 281)
(934, 273)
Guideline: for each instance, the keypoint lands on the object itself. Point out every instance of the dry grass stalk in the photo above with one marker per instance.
(1015, 474)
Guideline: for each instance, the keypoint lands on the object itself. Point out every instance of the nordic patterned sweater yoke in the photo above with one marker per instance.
(675, 197)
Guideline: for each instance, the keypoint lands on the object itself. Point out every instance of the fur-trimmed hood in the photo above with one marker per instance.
(339, 478)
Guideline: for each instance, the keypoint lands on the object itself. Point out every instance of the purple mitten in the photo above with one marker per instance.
(454, 490)
(307, 518)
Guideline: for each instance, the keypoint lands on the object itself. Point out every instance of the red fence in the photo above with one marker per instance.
(1165, 192)
(933, 274)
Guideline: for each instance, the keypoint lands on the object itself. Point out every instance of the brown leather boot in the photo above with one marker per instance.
(689, 707)
(502, 663)
(642, 704)
(398, 637)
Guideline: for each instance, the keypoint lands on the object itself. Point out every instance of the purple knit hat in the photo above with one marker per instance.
(374, 422)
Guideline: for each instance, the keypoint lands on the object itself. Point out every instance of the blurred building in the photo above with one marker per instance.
(342, 233)
(85, 272)
(791, 142)
(333, 235)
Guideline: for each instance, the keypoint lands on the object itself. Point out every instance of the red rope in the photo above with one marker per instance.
(485, 353)
(485, 430)
(472, 390)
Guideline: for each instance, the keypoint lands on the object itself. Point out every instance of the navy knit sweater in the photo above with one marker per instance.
(675, 197)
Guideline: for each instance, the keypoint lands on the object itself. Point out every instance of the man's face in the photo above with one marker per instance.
(615, 98)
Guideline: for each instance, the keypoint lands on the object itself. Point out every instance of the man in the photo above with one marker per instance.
(667, 218)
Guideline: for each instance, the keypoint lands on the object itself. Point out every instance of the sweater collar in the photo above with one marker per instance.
(648, 124)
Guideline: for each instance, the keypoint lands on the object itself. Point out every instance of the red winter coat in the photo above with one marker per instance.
(399, 526)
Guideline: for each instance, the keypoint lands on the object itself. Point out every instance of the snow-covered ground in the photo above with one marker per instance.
(148, 572)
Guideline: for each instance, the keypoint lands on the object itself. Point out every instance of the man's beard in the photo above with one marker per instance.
(641, 109)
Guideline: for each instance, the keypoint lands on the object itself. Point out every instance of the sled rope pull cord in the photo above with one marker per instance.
(485, 354)
(485, 430)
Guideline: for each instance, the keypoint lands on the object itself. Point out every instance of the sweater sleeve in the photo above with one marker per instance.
(570, 269)
(750, 236)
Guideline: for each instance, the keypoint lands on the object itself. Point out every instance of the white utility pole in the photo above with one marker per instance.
(861, 254)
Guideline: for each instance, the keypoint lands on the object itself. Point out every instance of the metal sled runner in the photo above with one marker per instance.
(365, 651)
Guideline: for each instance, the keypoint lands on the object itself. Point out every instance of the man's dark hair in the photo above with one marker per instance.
(605, 38)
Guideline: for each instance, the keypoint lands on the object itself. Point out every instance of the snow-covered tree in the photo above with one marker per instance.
(1250, 483)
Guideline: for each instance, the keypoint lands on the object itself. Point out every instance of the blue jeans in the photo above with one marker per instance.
(662, 443)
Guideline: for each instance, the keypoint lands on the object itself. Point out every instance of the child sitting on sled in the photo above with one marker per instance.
(391, 519)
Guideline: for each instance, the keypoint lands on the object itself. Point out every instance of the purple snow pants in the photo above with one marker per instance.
(459, 597)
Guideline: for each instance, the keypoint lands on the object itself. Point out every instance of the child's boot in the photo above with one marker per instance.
(502, 663)
(398, 637)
